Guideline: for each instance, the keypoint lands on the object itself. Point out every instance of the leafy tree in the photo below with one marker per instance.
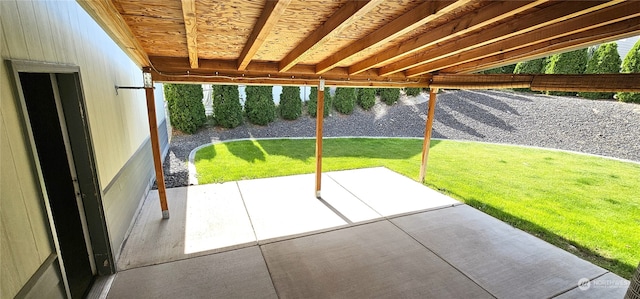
(290, 102)
(605, 60)
(259, 107)
(345, 100)
(366, 97)
(227, 110)
(631, 64)
(389, 95)
(413, 91)
(186, 110)
(312, 105)
(535, 66)
(574, 62)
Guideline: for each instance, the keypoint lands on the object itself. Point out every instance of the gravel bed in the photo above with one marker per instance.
(596, 127)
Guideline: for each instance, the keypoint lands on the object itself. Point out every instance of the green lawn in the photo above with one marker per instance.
(587, 205)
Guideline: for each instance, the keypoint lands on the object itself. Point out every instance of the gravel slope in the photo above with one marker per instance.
(597, 127)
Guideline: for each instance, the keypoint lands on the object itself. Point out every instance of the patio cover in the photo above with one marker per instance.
(387, 43)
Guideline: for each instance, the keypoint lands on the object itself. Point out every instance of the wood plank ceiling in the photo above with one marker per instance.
(363, 43)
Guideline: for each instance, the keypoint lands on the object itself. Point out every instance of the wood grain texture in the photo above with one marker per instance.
(604, 34)
(339, 21)
(105, 13)
(493, 13)
(271, 13)
(411, 20)
(603, 17)
(191, 30)
(520, 25)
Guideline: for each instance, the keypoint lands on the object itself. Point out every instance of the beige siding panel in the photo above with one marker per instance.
(14, 218)
(45, 33)
(60, 31)
(24, 166)
(10, 283)
(13, 30)
(30, 27)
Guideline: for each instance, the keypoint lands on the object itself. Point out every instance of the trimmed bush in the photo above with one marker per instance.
(186, 110)
(290, 102)
(389, 95)
(532, 67)
(605, 60)
(259, 107)
(366, 97)
(574, 62)
(345, 100)
(312, 105)
(227, 110)
(413, 91)
(631, 64)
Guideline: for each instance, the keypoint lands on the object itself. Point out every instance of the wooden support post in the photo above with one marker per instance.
(155, 147)
(319, 124)
(427, 133)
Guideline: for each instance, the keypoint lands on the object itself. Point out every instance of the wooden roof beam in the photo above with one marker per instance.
(191, 27)
(577, 83)
(272, 11)
(177, 69)
(604, 34)
(610, 15)
(409, 21)
(492, 13)
(106, 14)
(339, 21)
(529, 22)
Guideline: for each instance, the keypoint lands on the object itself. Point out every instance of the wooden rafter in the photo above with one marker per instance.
(603, 17)
(106, 14)
(604, 34)
(490, 14)
(270, 15)
(343, 18)
(191, 27)
(411, 20)
(543, 17)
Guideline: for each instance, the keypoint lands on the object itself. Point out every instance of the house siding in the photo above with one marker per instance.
(62, 32)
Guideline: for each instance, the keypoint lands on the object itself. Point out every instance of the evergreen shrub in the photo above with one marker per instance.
(345, 100)
(413, 91)
(186, 111)
(389, 95)
(366, 97)
(227, 110)
(574, 62)
(631, 64)
(290, 103)
(605, 60)
(312, 105)
(259, 106)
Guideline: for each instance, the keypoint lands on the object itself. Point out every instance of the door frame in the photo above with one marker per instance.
(94, 221)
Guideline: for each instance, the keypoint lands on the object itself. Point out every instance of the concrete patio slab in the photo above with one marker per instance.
(375, 260)
(203, 220)
(240, 273)
(605, 286)
(364, 239)
(390, 193)
(286, 206)
(505, 261)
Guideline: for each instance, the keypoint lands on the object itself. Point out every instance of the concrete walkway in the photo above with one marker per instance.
(375, 233)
